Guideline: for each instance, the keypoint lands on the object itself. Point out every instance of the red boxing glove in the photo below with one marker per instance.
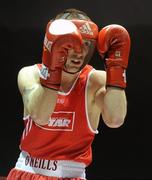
(114, 46)
(61, 35)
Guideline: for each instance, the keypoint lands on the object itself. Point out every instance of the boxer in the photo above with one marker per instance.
(64, 97)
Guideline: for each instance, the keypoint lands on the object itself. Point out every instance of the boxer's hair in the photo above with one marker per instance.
(72, 13)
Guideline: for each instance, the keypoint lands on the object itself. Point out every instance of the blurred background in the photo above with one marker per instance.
(123, 153)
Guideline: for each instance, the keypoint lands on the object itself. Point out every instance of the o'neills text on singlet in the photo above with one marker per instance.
(41, 163)
(51, 168)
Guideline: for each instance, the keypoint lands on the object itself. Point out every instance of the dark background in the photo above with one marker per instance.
(123, 153)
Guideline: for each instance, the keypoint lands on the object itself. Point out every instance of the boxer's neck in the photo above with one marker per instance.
(67, 81)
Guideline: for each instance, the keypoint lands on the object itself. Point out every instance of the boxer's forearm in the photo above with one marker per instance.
(40, 103)
(114, 48)
(114, 107)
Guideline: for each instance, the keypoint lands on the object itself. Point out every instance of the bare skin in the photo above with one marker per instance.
(40, 102)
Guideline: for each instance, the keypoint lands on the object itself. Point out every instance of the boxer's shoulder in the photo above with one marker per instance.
(27, 77)
(97, 79)
(96, 84)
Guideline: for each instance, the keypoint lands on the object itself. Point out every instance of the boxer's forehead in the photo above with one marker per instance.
(70, 16)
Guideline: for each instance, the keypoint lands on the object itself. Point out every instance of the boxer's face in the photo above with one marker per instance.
(75, 60)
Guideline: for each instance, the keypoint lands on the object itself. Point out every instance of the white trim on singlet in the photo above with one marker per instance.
(51, 168)
(28, 125)
(26, 117)
(72, 87)
(86, 102)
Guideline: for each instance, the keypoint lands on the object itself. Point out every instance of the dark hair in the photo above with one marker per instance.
(73, 13)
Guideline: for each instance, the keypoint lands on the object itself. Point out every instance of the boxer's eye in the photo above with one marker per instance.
(87, 43)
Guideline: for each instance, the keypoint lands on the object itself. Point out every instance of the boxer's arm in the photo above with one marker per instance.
(112, 104)
(110, 101)
(40, 90)
(114, 48)
(38, 101)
